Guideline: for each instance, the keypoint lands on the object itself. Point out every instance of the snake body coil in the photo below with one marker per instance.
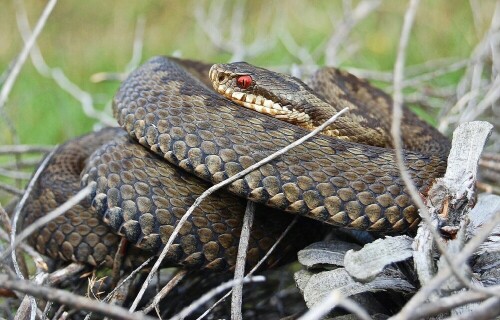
(177, 118)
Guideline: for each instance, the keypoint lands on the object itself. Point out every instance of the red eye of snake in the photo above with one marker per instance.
(244, 81)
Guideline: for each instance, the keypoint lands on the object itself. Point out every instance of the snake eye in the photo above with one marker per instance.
(244, 81)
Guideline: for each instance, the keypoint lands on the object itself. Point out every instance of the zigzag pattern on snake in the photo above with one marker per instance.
(181, 136)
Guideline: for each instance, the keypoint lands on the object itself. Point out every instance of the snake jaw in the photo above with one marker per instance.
(224, 82)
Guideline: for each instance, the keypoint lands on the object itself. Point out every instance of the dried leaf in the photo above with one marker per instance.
(325, 253)
(365, 264)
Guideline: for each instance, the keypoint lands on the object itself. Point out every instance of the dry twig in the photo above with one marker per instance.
(211, 22)
(15, 219)
(207, 296)
(58, 75)
(239, 269)
(18, 149)
(45, 219)
(421, 296)
(332, 300)
(70, 299)
(30, 42)
(288, 228)
(165, 290)
(342, 30)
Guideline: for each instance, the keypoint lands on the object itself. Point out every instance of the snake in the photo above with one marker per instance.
(185, 125)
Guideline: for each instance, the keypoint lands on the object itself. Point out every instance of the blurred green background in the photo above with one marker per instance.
(86, 37)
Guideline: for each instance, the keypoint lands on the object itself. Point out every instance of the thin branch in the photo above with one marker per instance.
(70, 299)
(65, 273)
(12, 190)
(396, 134)
(443, 274)
(478, 79)
(397, 116)
(15, 174)
(37, 258)
(133, 62)
(165, 290)
(300, 52)
(332, 300)
(207, 296)
(261, 261)
(15, 218)
(14, 72)
(445, 304)
(239, 269)
(70, 203)
(491, 97)
(18, 149)
(23, 163)
(398, 101)
(128, 278)
(485, 311)
(342, 30)
(210, 22)
(57, 74)
(219, 186)
(434, 73)
(138, 45)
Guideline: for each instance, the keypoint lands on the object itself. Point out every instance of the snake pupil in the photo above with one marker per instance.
(244, 81)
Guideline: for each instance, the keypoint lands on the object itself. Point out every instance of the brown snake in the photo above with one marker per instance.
(205, 138)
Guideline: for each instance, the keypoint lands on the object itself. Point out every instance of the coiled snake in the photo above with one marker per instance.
(180, 137)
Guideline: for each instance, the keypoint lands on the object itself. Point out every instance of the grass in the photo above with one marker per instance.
(83, 38)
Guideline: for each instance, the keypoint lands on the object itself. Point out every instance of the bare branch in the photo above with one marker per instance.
(18, 149)
(302, 53)
(23, 163)
(421, 296)
(10, 189)
(332, 300)
(396, 134)
(239, 269)
(57, 74)
(345, 26)
(70, 203)
(288, 228)
(15, 218)
(398, 101)
(165, 290)
(211, 22)
(14, 174)
(395, 130)
(207, 296)
(138, 45)
(70, 299)
(445, 304)
(485, 311)
(434, 73)
(64, 273)
(30, 42)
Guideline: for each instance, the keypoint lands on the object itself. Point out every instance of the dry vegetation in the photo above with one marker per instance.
(443, 59)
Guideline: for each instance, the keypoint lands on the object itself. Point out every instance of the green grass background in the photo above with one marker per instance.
(86, 37)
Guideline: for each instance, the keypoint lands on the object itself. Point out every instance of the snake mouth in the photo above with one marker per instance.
(225, 83)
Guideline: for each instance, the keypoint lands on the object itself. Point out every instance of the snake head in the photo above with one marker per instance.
(278, 95)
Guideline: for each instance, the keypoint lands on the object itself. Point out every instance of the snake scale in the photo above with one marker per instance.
(180, 136)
